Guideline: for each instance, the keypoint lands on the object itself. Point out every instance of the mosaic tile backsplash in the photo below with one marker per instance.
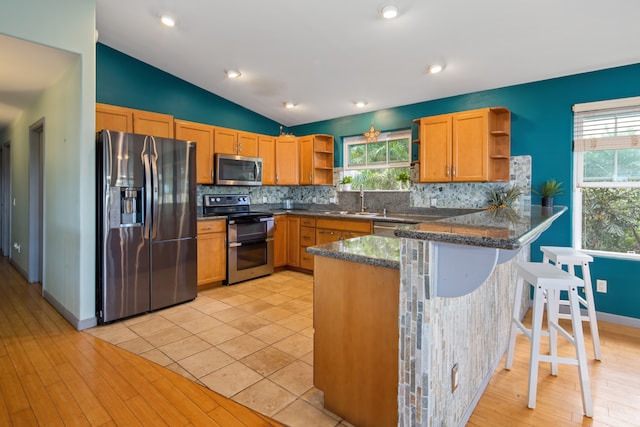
(444, 195)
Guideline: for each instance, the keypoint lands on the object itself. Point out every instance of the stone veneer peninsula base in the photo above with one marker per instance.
(356, 340)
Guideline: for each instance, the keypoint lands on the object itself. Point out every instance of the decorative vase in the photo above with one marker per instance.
(547, 202)
(345, 187)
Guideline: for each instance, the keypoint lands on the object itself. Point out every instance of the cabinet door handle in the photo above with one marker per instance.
(239, 148)
(454, 170)
(447, 170)
(310, 177)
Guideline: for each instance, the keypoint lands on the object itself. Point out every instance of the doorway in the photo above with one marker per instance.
(5, 199)
(36, 202)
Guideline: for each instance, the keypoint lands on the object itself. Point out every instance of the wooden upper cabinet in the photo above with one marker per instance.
(287, 160)
(267, 152)
(470, 146)
(306, 160)
(225, 141)
(435, 149)
(112, 117)
(124, 119)
(155, 124)
(202, 135)
(231, 141)
(316, 159)
(247, 144)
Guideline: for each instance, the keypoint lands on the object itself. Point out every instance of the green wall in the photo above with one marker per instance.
(541, 127)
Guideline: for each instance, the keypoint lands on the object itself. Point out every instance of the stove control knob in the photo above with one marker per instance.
(217, 199)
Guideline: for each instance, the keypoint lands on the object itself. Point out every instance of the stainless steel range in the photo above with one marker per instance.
(249, 236)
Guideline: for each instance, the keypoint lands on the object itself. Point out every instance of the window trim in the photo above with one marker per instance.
(580, 148)
(383, 137)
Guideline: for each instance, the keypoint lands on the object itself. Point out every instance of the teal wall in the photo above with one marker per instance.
(542, 126)
(125, 81)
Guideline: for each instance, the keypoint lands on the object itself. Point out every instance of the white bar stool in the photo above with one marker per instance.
(549, 280)
(572, 258)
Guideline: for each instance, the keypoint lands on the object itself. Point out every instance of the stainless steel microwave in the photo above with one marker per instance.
(237, 170)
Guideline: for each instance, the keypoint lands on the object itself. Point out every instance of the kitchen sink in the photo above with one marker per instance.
(371, 214)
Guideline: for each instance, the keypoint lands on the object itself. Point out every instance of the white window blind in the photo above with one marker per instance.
(607, 125)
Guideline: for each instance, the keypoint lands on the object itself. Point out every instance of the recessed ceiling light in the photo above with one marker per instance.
(435, 68)
(389, 11)
(233, 74)
(289, 104)
(360, 104)
(167, 20)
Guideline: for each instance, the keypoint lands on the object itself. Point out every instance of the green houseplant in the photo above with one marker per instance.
(345, 183)
(404, 179)
(548, 189)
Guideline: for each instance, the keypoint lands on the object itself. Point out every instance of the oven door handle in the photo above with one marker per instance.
(234, 244)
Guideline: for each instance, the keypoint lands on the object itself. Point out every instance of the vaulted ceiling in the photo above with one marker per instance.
(325, 55)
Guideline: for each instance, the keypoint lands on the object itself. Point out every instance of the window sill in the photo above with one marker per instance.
(612, 255)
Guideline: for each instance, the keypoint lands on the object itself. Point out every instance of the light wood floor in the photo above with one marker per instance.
(615, 385)
(51, 374)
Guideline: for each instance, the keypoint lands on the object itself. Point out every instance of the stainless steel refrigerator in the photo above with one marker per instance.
(147, 251)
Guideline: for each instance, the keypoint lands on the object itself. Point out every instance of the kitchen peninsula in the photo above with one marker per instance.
(408, 331)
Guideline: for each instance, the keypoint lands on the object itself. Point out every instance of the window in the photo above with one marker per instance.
(607, 177)
(380, 165)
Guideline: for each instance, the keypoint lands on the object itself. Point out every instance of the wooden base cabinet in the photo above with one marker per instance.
(331, 230)
(279, 240)
(293, 241)
(355, 344)
(212, 251)
(470, 146)
(307, 238)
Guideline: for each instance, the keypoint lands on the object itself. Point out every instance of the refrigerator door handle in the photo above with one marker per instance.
(148, 195)
(155, 194)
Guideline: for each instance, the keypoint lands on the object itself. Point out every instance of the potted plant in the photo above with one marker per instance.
(404, 179)
(345, 183)
(548, 189)
(503, 198)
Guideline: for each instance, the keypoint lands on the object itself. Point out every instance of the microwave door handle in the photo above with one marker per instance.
(257, 169)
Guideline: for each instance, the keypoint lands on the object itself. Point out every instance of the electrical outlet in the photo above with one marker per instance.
(315, 199)
(264, 199)
(601, 286)
(454, 378)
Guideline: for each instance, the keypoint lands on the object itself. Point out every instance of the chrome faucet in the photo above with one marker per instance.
(362, 205)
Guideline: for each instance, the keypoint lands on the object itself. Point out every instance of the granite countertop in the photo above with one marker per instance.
(503, 228)
(373, 250)
(412, 216)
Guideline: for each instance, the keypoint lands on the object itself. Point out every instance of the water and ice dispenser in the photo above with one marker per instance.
(126, 207)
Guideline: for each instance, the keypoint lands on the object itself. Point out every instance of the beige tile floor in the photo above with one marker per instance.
(251, 342)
